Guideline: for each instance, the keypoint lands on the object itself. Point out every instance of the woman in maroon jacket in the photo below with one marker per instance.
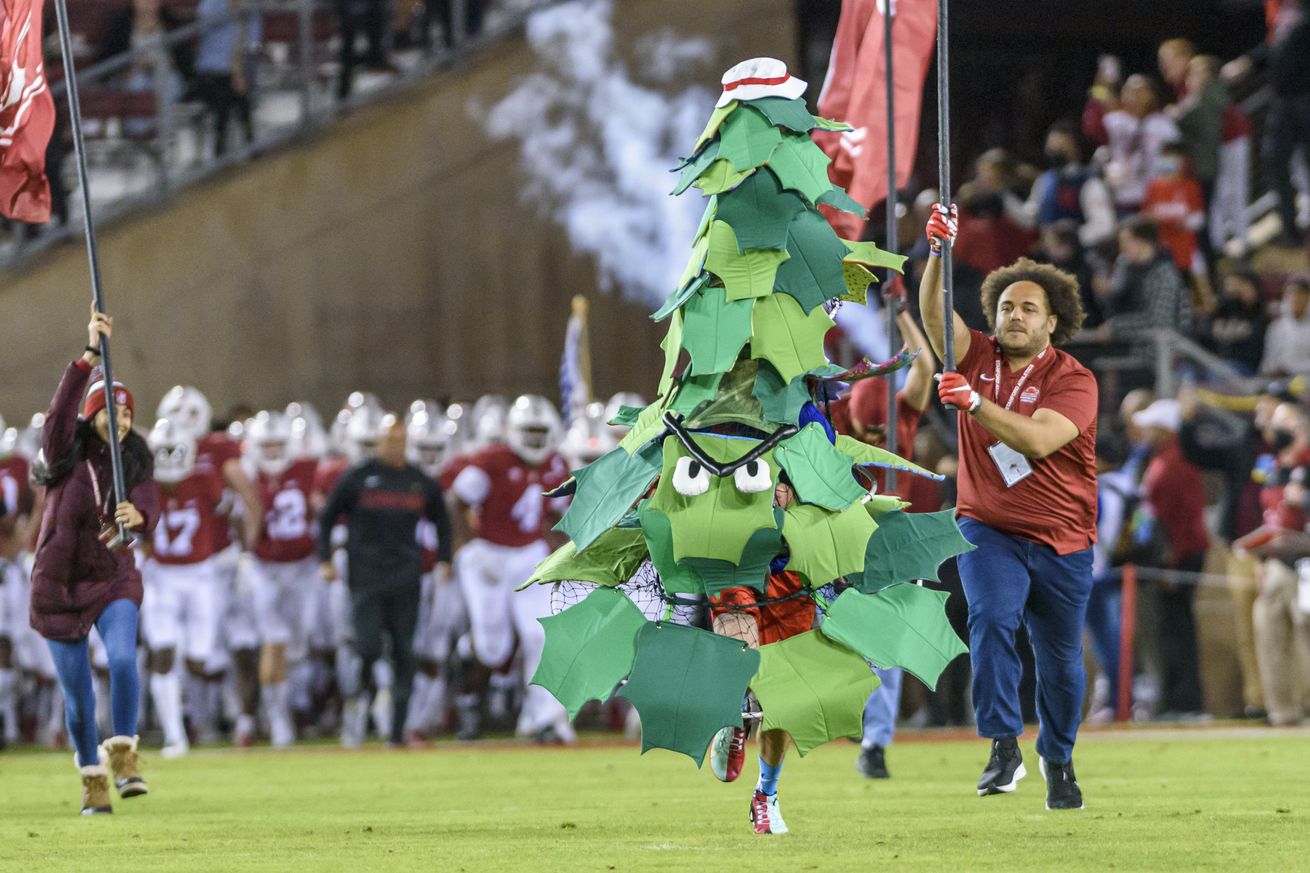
(78, 581)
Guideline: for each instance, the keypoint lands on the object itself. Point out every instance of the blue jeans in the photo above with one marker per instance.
(117, 627)
(1008, 580)
(880, 711)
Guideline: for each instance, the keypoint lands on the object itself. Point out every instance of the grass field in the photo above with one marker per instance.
(1203, 799)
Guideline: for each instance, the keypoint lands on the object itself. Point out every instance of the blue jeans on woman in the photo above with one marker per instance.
(1009, 580)
(117, 627)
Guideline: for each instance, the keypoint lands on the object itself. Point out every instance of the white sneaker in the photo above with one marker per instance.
(244, 733)
(175, 750)
(354, 723)
(766, 815)
(281, 733)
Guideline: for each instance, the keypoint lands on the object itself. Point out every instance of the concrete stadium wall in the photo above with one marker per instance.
(393, 252)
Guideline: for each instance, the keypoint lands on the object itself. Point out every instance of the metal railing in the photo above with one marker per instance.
(147, 138)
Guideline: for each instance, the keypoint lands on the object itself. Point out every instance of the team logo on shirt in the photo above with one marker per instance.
(1029, 394)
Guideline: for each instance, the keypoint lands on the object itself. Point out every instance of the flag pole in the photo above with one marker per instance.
(580, 309)
(893, 335)
(944, 183)
(97, 291)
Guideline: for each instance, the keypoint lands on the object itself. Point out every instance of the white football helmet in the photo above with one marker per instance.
(533, 428)
(268, 441)
(616, 403)
(360, 435)
(174, 448)
(588, 437)
(429, 437)
(188, 409)
(308, 438)
(487, 421)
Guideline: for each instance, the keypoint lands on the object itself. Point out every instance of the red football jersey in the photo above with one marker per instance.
(189, 521)
(213, 451)
(508, 493)
(289, 531)
(15, 491)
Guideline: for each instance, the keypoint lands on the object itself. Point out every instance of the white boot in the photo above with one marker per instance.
(166, 691)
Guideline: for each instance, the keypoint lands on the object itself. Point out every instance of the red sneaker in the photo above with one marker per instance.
(765, 814)
(728, 753)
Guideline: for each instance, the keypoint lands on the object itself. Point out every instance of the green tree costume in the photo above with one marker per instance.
(747, 323)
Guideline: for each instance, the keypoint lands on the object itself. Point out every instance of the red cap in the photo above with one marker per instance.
(95, 399)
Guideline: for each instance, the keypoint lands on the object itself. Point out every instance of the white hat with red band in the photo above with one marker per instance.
(760, 77)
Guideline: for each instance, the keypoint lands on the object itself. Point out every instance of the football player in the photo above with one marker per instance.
(503, 488)
(283, 574)
(442, 616)
(186, 596)
(188, 408)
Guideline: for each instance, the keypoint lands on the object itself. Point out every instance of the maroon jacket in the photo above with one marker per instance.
(75, 576)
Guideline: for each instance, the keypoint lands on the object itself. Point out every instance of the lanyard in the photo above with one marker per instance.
(1028, 371)
(95, 489)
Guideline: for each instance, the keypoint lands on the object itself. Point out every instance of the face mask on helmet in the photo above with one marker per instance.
(272, 456)
(174, 450)
(534, 428)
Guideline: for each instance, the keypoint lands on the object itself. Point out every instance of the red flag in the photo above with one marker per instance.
(27, 114)
(855, 91)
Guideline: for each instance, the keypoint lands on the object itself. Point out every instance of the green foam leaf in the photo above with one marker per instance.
(672, 346)
(695, 390)
(611, 559)
(829, 124)
(837, 198)
(782, 112)
(744, 274)
(717, 118)
(786, 337)
(589, 648)
(863, 453)
(902, 626)
(759, 212)
(686, 684)
(826, 545)
(812, 688)
(720, 177)
(813, 271)
(801, 166)
(819, 472)
(747, 139)
(751, 570)
(675, 577)
(607, 489)
(781, 401)
(909, 546)
(677, 298)
(714, 330)
(692, 168)
(868, 254)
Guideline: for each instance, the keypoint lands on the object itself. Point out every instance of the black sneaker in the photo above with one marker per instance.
(1004, 769)
(1062, 791)
(872, 763)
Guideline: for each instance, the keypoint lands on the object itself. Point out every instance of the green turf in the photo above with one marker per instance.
(1188, 801)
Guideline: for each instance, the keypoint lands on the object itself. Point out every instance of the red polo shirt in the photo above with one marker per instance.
(1056, 505)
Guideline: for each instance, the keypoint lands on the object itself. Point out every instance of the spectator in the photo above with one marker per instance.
(1287, 344)
(1198, 110)
(1172, 58)
(991, 232)
(1228, 444)
(1070, 190)
(1282, 629)
(371, 17)
(1136, 132)
(1237, 330)
(222, 80)
(1174, 199)
(1116, 487)
(1146, 290)
(1062, 246)
(1288, 125)
(1232, 188)
(1102, 99)
(1175, 494)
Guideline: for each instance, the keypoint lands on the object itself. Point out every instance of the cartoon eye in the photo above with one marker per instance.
(690, 478)
(752, 478)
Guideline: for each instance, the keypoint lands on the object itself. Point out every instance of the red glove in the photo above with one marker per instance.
(954, 390)
(943, 225)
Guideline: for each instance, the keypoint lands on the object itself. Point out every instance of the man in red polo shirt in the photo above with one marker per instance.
(1027, 500)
